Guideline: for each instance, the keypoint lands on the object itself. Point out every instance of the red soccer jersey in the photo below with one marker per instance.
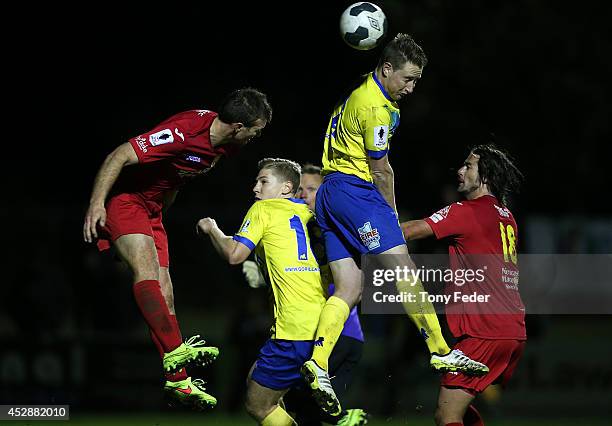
(483, 236)
(174, 152)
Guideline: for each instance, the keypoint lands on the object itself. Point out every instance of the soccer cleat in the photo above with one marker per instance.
(190, 393)
(322, 390)
(191, 352)
(354, 417)
(457, 361)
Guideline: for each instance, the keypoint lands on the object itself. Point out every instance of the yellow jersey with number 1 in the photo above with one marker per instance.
(276, 230)
(360, 128)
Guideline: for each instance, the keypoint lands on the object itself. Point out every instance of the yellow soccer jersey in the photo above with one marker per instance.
(276, 230)
(360, 128)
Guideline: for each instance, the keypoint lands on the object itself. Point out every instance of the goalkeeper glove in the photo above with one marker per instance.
(252, 274)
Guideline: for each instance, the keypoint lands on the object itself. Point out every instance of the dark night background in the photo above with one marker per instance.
(532, 76)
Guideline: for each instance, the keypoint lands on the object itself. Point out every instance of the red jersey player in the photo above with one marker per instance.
(125, 210)
(480, 229)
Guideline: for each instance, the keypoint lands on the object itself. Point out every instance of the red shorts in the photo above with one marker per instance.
(501, 356)
(129, 214)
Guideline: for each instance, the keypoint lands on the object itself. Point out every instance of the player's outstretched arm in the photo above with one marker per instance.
(229, 249)
(416, 230)
(123, 156)
(383, 177)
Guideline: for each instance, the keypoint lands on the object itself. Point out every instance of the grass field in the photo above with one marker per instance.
(188, 419)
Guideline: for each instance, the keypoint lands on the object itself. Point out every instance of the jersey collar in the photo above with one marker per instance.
(297, 200)
(380, 86)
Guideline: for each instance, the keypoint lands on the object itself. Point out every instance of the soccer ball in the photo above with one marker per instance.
(363, 25)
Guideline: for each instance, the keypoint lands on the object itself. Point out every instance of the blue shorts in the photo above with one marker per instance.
(355, 218)
(279, 362)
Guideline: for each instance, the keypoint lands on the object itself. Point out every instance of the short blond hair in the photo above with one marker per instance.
(284, 169)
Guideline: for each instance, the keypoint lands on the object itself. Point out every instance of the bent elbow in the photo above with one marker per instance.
(234, 260)
(382, 175)
(383, 172)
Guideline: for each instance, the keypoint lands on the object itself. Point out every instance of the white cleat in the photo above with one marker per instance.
(457, 361)
(322, 390)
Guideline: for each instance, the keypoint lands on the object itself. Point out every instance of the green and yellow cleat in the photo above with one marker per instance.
(354, 417)
(321, 387)
(189, 393)
(189, 353)
(457, 361)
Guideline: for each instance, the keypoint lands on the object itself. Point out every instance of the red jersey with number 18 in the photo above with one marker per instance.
(483, 239)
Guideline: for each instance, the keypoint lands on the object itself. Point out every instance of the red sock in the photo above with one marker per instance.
(472, 417)
(173, 377)
(153, 308)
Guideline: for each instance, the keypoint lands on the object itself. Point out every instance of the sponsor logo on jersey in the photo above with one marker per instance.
(319, 341)
(202, 112)
(193, 158)
(142, 144)
(302, 269)
(440, 214)
(161, 137)
(381, 134)
(176, 130)
(188, 174)
(503, 212)
(245, 227)
(369, 236)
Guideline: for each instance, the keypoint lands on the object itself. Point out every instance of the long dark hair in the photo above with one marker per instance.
(496, 168)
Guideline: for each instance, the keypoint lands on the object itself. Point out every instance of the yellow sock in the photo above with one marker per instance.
(331, 322)
(423, 315)
(278, 417)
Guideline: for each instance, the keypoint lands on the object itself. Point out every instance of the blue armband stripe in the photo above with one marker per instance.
(377, 155)
(245, 241)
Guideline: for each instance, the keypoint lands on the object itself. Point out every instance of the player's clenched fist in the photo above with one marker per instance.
(94, 215)
(205, 225)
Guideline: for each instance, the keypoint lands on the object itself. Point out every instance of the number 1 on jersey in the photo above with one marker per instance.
(296, 225)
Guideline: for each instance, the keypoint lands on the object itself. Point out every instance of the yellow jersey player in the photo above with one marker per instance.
(355, 208)
(275, 228)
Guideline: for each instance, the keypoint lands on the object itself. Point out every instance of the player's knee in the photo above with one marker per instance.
(443, 417)
(354, 296)
(254, 410)
(250, 409)
(351, 294)
(142, 275)
(145, 269)
(438, 417)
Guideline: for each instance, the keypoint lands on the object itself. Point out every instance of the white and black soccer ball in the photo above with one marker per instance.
(363, 25)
